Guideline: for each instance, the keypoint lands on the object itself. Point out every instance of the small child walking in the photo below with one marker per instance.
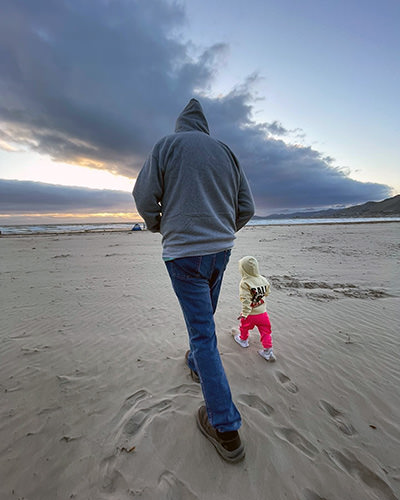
(252, 290)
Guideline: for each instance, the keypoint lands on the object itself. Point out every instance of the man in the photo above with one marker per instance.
(193, 191)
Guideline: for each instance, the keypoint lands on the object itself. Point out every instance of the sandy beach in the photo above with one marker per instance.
(96, 401)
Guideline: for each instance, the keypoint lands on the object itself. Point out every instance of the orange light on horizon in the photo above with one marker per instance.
(88, 162)
(128, 216)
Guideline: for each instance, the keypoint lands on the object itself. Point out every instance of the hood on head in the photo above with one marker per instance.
(249, 266)
(192, 118)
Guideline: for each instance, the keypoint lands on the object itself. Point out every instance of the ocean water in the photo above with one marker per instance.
(63, 228)
(99, 227)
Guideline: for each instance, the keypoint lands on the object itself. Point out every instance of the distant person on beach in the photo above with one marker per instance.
(193, 191)
(253, 289)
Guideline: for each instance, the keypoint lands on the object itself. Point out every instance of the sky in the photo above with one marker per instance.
(304, 93)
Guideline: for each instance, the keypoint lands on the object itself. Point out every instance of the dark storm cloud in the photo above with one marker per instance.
(102, 81)
(94, 79)
(35, 197)
(281, 175)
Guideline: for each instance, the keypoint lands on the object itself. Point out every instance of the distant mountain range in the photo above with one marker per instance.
(386, 208)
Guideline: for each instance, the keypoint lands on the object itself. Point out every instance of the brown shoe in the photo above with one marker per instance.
(193, 374)
(227, 444)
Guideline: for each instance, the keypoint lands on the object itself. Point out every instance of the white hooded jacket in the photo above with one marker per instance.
(253, 287)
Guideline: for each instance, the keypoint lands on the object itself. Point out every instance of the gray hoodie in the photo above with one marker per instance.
(192, 190)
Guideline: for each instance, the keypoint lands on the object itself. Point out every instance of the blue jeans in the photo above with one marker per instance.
(197, 283)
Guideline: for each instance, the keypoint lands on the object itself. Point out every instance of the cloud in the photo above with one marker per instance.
(283, 175)
(27, 197)
(97, 83)
(98, 80)
(276, 128)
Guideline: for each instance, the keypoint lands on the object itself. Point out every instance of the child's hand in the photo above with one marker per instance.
(241, 317)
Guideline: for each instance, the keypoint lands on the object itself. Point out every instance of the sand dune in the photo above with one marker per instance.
(96, 401)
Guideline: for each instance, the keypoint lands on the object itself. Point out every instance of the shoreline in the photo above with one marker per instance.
(129, 231)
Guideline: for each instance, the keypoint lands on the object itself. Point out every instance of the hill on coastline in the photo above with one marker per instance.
(386, 208)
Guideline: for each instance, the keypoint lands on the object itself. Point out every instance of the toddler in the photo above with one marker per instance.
(253, 288)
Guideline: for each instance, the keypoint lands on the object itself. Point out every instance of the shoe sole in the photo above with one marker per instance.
(229, 456)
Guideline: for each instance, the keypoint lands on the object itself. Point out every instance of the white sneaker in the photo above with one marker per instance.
(243, 343)
(267, 354)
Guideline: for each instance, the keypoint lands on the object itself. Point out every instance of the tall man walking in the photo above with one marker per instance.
(193, 191)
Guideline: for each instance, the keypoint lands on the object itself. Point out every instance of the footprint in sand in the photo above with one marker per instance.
(338, 417)
(169, 486)
(140, 417)
(134, 398)
(112, 479)
(257, 403)
(297, 440)
(128, 404)
(350, 464)
(130, 419)
(287, 383)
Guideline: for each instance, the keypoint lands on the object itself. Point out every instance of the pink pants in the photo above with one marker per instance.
(261, 321)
